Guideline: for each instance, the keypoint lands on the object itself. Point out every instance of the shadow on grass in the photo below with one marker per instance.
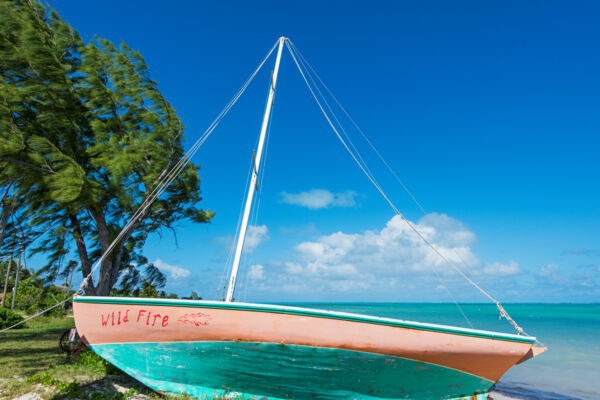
(35, 334)
(30, 351)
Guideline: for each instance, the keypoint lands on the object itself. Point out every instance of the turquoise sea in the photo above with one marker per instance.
(570, 369)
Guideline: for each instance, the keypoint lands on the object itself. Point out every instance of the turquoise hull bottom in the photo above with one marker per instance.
(268, 371)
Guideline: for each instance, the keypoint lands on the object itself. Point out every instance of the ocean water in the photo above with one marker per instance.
(570, 369)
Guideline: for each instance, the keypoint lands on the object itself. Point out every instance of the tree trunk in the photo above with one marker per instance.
(106, 273)
(16, 286)
(107, 267)
(7, 275)
(109, 270)
(114, 277)
(86, 264)
(7, 208)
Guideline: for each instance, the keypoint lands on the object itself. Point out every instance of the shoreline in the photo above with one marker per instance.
(494, 395)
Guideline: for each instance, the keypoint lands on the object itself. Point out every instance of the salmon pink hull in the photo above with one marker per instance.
(209, 349)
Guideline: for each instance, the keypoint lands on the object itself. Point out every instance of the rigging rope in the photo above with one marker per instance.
(162, 182)
(223, 279)
(160, 185)
(305, 62)
(256, 208)
(364, 136)
(501, 309)
(175, 171)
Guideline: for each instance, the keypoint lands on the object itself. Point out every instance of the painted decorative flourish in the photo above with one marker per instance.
(196, 319)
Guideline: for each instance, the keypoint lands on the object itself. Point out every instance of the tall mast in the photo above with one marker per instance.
(252, 188)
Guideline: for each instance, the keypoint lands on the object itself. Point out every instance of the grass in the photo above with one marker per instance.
(30, 361)
(34, 349)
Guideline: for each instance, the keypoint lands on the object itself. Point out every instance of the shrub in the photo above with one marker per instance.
(9, 318)
(97, 364)
(45, 379)
(33, 296)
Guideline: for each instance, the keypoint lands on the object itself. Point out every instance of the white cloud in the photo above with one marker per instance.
(393, 250)
(256, 235)
(450, 231)
(499, 269)
(174, 271)
(550, 274)
(320, 198)
(256, 272)
(392, 259)
(293, 268)
(548, 270)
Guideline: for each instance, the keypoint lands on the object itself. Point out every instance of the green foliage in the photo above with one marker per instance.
(144, 289)
(43, 378)
(9, 318)
(33, 295)
(23, 273)
(97, 364)
(148, 290)
(69, 388)
(33, 88)
(33, 352)
(134, 280)
(84, 135)
(193, 296)
(131, 392)
(74, 389)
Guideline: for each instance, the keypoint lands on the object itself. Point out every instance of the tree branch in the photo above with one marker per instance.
(26, 164)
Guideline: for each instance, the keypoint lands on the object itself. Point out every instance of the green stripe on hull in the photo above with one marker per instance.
(308, 313)
(276, 371)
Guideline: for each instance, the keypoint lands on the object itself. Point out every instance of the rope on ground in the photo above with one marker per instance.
(503, 312)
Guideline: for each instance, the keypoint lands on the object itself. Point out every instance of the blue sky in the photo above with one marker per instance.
(487, 111)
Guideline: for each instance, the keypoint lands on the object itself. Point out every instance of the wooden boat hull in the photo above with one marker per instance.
(238, 350)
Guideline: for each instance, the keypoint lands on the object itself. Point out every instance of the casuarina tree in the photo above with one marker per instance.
(84, 136)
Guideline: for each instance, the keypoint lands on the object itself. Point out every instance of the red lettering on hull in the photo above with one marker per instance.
(114, 318)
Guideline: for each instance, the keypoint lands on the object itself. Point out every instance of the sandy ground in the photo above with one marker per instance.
(112, 383)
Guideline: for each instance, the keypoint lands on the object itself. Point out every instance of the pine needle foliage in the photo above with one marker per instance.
(84, 135)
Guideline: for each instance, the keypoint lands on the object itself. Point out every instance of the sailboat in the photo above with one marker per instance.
(228, 349)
